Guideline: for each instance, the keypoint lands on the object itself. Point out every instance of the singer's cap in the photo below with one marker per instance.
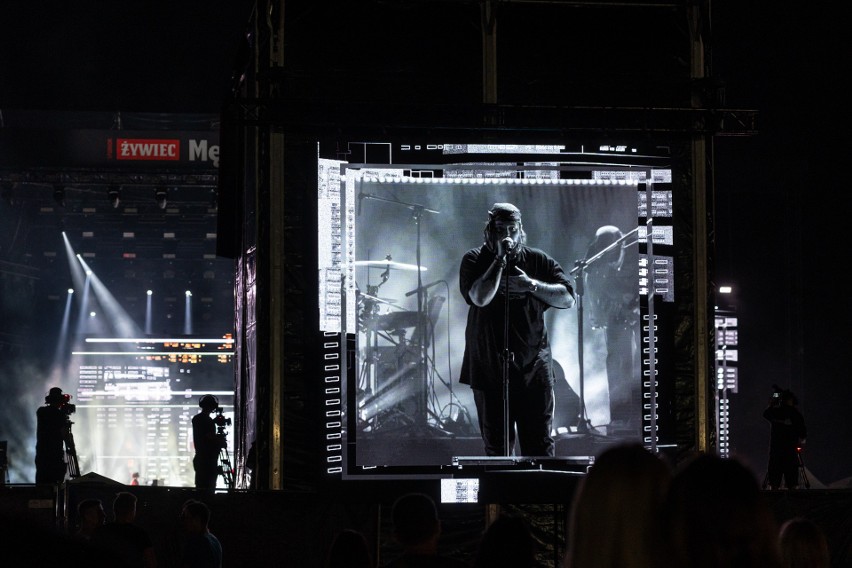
(505, 212)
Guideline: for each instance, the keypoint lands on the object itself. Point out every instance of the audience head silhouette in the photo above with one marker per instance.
(803, 545)
(717, 516)
(415, 520)
(196, 516)
(349, 550)
(90, 516)
(507, 543)
(124, 507)
(616, 515)
(417, 528)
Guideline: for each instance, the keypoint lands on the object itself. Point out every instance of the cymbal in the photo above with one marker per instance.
(389, 264)
(376, 299)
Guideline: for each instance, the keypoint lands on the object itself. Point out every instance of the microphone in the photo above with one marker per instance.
(508, 245)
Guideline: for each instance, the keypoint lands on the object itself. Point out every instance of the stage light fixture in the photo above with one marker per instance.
(114, 195)
(160, 194)
(150, 292)
(59, 195)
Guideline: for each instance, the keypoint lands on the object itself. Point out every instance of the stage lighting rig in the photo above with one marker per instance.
(161, 195)
(59, 195)
(114, 195)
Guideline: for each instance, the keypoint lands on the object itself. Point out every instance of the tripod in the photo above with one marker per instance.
(800, 470)
(225, 468)
(71, 451)
(805, 481)
(4, 464)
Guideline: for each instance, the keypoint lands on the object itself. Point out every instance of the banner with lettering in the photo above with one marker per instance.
(122, 149)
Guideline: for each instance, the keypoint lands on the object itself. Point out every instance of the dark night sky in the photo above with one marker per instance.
(780, 200)
(781, 214)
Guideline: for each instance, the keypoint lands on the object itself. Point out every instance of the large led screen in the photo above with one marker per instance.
(396, 220)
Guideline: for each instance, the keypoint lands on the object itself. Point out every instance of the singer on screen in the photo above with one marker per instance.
(505, 267)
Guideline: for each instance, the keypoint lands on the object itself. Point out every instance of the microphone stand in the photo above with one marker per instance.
(421, 327)
(579, 272)
(506, 357)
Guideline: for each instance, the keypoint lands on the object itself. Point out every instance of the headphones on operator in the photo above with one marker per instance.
(208, 402)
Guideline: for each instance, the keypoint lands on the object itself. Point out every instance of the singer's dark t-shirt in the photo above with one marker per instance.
(528, 341)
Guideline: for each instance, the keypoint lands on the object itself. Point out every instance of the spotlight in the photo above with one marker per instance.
(150, 292)
(70, 290)
(188, 293)
(160, 195)
(59, 195)
(114, 195)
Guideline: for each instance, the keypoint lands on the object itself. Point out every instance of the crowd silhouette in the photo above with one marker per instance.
(632, 509)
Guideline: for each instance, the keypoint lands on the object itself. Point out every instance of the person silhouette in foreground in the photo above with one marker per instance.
(507, 543)
(123, 538)
(90, 517)
(349, 550)
(617, 511)
(717, 517)
(803, 544)
(417, 528)
(201, 549)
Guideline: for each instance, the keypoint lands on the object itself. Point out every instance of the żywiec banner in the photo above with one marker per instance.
(28, 148)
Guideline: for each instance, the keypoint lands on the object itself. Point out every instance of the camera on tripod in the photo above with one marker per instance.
(66, 406)
(780, 396)
(221, 421)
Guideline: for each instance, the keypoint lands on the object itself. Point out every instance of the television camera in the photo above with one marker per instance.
(221, 422)
(66, 407)
(780, 396)
(63, 403)
(226, 470)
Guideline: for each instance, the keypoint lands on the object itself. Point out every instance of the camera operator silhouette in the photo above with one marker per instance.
(787, 433)
(208, 443)
(52, 431)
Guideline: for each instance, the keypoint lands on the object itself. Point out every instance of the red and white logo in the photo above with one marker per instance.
(146, 149)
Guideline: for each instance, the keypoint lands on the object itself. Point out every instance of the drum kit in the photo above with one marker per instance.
(396, 376)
